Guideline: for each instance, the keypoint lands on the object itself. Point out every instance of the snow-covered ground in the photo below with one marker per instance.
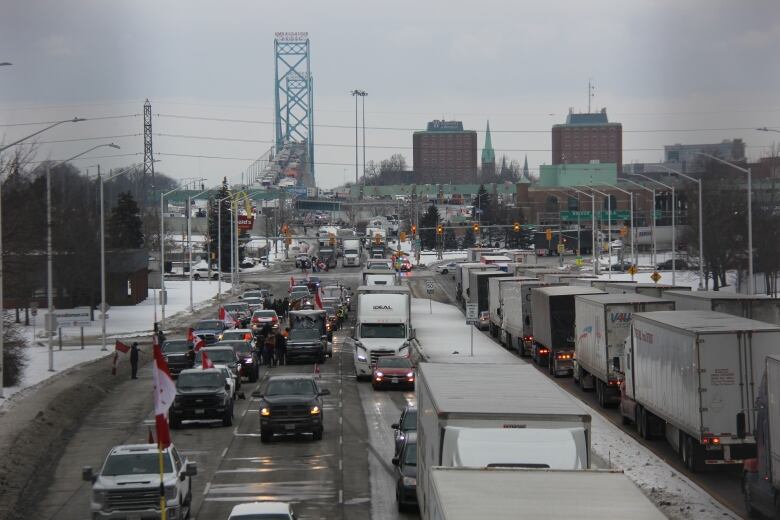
(444, 332)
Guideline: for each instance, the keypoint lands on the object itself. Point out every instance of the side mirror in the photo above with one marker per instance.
(395, 461)
(741, 425)
(324, 391)
(87, 475)
(395, 426)
(191, 469)
(227, 386)
(257, 394)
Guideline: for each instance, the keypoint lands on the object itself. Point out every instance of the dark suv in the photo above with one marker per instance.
(201, 395)
(291, 404)
(210, 330)
(176, 353)
(248, 357)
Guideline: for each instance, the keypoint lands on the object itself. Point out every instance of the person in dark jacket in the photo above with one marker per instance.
(269, 349)
(134, 351)
(281, 347)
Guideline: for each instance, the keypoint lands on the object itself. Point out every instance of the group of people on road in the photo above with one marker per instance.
(272, 345)
(280, 306)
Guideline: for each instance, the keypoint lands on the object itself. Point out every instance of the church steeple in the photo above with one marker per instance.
(525, 169)
(488, 154)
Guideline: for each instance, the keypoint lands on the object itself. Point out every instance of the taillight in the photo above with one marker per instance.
(710, 440)
(274, 319)
(543, 351)
(255, 319)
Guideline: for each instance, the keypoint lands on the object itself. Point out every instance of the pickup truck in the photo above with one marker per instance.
(128, 485)
(291, 404)
(201, 395)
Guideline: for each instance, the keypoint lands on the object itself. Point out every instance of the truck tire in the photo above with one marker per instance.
(228, 419)
(749, 509)
(600, 393)
(638, 410)
(175, 421)
(645, 421)
(265, 436)
(196, 276)
(318, 434)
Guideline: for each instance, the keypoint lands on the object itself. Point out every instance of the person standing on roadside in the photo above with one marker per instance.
(270, 348)
(281, 347)
(134, 351)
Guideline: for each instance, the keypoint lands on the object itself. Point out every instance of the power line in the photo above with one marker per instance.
(99, 118)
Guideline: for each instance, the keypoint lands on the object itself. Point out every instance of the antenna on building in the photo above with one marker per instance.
(591, 92)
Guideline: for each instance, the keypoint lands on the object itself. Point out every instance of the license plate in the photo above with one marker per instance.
(289, 427)
(395, 380)
(200, 412)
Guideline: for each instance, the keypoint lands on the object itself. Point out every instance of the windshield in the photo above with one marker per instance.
(265, 314)
(222, 357)
(382, 330)
(236, 335)
(410, 455)
(190, 380)
(393, 362)
(350, 251)
(242, 348)
(329, 292)
(253, 301)
(410, 421)
(303, 334)
(173, 347)
(291, 387)
(208, 325)
(383, 266)
(135, 464)
(236, 307)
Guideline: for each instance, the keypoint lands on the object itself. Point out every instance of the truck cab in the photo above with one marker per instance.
(383, 326)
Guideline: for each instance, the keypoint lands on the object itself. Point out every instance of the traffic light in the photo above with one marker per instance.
(332, 239)
(439, 229)
(402, 236)
(475, 227)
(414, 230)
(285, 229)
(548, 234)
(377, 239)
(516, 227)
(623, 231)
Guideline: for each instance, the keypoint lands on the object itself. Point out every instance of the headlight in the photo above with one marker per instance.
(98, 496)
(379, 374)
(410, 481)
(170, 492)
(265, 411)
(361, 357)
(315, 410)
(410, 374)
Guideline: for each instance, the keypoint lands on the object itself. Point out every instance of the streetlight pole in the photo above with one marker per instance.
(751, 282)
(50, 253)
(701, 223)
(609, 225)
(593, 228)
(652, 229)
(74, 120)
(674, 229)
(359, 93)
(189, 239)
(631, 209)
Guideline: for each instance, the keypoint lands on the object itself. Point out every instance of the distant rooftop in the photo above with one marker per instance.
(445, 126)
(598, 118)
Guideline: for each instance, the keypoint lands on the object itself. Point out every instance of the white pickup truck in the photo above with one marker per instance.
(128, 485)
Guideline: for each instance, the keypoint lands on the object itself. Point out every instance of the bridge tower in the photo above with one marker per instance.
(294, 93)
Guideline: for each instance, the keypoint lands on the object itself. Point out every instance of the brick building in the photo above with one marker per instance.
(586, 138)
(445, 153)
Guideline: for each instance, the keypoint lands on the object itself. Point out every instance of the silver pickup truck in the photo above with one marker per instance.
(128, 485)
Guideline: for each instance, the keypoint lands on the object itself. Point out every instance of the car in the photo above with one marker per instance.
(406, 265)
(303, 261)
(620, 267)
(238, 334)
(678, 265)
(333, 320)
(230, 378)
(407, 423)
(252, 293)
(299, 288)
(446, 268)
(210, 330)
(246, 263)
(175, 352)
(262, 318)
(223, 355)
(248, 358)
(307, 343)
(483, 323)
(139, 464)
(201, 395)
(240, 312)
(291, 404)
(262, 511)
(394, 372)
(254, 303)
(406, 473)
(205, 272)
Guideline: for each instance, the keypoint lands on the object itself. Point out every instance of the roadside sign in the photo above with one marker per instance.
(429, 290)
(34, 311)
(655, 276)
(78, 317)
(429, 284)
(561, 248)
(33, 305)
(472, 312)
(579, 261)
(632, 271)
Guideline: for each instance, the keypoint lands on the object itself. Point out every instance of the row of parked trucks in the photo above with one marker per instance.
(694, 367)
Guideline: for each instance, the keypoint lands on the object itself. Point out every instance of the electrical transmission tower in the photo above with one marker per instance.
(294, 93)
(148, 155)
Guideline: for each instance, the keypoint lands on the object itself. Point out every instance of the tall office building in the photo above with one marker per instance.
(445, 153)
(586, 138)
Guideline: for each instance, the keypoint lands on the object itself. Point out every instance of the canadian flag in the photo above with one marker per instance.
(318, 300)
(206, 362)
(198, 343)
(190, 336)
(292, 281)
(164, 394)
(118, 347)
(226, 317)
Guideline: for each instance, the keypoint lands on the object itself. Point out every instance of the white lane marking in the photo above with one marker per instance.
(341, 439)
(207, 488)
(224, 452)
(341, 496)
(340, 419)
(341, 467)
(246, 434)
(244, 414)
(235, 430)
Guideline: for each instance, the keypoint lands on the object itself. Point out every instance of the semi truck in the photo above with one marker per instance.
(462, 278)
(553, 326)
(693, 376)
(485, 396)
(478, 286)
(496, 287)
(376, 276)
(649, 289)
(472, 493)
(756, 307)
(761, 477)
(383, 326)
(603, 322)
(516, 311)
(352, 252)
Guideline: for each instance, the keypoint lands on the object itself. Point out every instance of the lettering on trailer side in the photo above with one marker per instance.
(622, 317)
(723, 377)
(383, 307)
(641, 335)
(513, 426)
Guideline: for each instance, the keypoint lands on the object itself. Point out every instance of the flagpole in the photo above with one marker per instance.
(163, 509)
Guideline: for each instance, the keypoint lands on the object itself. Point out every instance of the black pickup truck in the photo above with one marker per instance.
(291, 404)
(201, 395)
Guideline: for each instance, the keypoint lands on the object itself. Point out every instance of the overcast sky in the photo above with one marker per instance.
(667, 69)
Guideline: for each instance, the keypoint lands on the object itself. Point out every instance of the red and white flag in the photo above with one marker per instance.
(318, 300)
(118, 347)
(226, 317)
(198, 343)
(191, 336)
(205, 361)
(292, 281)
(317, 371)
(164, 394)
